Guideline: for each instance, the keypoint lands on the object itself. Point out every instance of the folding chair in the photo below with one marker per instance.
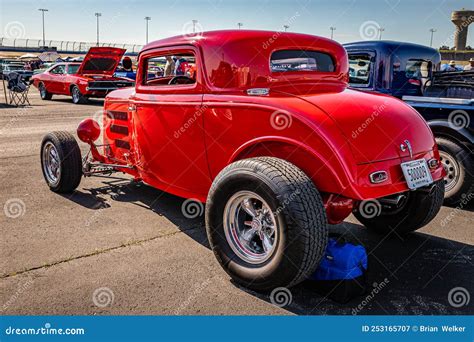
(18, 89)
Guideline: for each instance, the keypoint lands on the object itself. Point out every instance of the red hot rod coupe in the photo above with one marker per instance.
(267, 133)
(91, 78)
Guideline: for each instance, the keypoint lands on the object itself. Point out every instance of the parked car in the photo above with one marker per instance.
(91, 78)
(269, 149)
(444, 99)
(17, 68)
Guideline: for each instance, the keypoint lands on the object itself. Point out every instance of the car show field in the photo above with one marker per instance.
(143, 253)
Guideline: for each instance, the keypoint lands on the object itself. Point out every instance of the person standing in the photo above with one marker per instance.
(169, 66)
(470, 66)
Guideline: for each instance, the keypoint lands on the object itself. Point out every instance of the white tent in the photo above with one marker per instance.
(49, 56)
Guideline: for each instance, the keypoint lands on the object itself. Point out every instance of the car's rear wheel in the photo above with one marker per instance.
(416, 210)
(77, 97)
(61, 162)
(266, 223)
(45, 95)
(459, 167)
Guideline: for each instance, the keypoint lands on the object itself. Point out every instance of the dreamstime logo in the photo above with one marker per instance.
(14, 30)
(281, 296)
(377, 287)
(192, 208)
(281, 120)
(14, 208)
(465, 199)
(370, 208)
(459, 119)
(369, 30)
(191, 29)
(102, 297)
(103, 119)
(458, 297)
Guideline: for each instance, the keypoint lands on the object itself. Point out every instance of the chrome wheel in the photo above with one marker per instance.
(76, 95)
(250, 227)
(451, 166)
(51, 163)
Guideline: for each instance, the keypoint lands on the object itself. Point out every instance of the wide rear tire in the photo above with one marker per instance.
(417, 211)
(61, 162)
(249, 197)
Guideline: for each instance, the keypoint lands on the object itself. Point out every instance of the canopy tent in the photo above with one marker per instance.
(49, 56)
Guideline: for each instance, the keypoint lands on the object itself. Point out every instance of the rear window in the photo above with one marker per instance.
(100, 64)
(360, 66)
(301, 60)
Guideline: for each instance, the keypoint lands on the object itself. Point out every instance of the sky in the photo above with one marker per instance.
(123, 21)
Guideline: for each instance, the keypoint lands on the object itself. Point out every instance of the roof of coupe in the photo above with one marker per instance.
(251, 50)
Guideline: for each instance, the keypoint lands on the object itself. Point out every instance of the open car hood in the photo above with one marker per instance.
(101, 60)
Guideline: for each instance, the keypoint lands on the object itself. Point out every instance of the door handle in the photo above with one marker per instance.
(132, 107)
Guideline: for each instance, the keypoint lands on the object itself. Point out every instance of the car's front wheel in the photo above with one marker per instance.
(61, 161)
(416, 210)
(266, 223)
(77, 97)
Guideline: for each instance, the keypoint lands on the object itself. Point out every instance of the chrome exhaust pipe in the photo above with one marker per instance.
(393, 201)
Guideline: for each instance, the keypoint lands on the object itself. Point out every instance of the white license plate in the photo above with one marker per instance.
(417, 174)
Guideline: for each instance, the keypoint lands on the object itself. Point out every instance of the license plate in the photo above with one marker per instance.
(417, 174)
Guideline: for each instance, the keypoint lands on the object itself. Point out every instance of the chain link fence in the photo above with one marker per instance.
(62, 45)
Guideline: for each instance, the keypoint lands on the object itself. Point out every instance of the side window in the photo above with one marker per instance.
(168, 69)
(417, 69)
(360, 66)
(58, 70)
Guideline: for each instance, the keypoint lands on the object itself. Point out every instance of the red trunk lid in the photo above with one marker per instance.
(101, 60)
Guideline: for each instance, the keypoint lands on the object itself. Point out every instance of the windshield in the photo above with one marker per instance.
(359, 69)
(72, 69)
(301, 60)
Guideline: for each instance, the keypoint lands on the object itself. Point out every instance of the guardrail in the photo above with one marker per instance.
(62, 46)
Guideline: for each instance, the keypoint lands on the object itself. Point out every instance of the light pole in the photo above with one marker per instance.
(286, 27)
(194, 25)
(97, 14)
(432, 30)
(332, 28)
(381, 29)
(42, 15)
(240, 25)
(147, 19)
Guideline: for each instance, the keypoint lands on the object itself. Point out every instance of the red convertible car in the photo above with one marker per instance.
(266, 132)
(91, 78)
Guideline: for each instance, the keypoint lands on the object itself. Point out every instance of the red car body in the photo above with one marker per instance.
(93, 77)
(179, 137)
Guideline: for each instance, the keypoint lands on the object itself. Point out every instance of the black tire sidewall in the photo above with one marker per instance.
(278, 269)
(43, 92)
(54, 140)
(418, 211)
(70, 164)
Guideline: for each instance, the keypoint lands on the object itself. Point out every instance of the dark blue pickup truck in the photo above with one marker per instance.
(445, 99)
